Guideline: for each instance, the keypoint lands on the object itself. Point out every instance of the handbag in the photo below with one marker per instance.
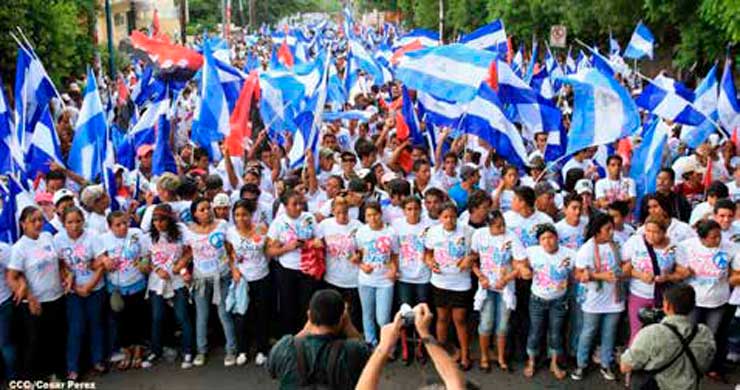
(116, 301)
(313, 262)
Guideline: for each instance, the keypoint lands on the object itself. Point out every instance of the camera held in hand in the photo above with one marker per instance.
(650, 315)
(407, 315)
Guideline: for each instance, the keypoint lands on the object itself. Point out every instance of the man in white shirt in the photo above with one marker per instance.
(615, 187)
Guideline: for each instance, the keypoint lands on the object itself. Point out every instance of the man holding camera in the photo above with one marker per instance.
(327, 353)
(673, 354)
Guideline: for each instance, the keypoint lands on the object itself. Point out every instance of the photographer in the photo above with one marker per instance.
(673, 354)
(327, 352)
(452, 377)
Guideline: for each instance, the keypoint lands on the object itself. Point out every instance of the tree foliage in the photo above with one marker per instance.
(689, 31)
(60, 30)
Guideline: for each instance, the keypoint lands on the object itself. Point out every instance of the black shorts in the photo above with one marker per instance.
(450, 299)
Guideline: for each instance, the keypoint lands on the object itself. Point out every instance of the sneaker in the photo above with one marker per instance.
(187, 362)
(229, 360)
(149, 360)
(200, 360)
(608, 374)
(241, 359)
(260, 359)
(117, 357)
(577, 374)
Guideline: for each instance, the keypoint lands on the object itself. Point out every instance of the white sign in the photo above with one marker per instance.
(558, 35)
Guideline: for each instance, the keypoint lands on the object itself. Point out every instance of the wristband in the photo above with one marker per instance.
(430, 340)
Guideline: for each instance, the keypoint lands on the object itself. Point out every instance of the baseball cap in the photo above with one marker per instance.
(91, 193)
(221, 200)
(168, 181)
(467, 171)
(584, 185)
(62, 194)
(143, 150)
(326, 153)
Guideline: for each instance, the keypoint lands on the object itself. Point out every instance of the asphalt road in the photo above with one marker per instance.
(169, 376)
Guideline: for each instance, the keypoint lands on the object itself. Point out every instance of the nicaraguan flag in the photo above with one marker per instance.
(162, 159)
(727, 104)
(669, 105)
(45, 147)
(439, 112)
(9, 151)
(706, 102)
(485, 118)
(33, 92)
(646, 159)
(452, 72)
(603, 111)
(489, 37)
(88, 145)
(211, 123)
(427, 38)
(641, 44)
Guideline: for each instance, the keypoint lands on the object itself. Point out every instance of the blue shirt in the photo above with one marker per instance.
(460, 196)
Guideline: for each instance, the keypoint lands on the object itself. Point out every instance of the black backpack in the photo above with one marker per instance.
(322, 377)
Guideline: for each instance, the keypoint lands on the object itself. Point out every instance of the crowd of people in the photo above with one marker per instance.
(531, 263)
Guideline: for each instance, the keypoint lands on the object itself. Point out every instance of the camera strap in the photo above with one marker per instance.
(657, 290)
(685, 349)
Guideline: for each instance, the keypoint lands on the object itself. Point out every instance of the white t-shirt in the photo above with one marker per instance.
(209, 251)
(734, 190)
(377, 246)
(601, 297)
(39, 263)
(635, 251)
(710, 270)
(621, 236)
(570, 236)
(411, 251)
(732, 235)
(164, 255)
(78, 255)
(392, 213)
(525, 228)
(249, 253)
(573, 163)
(622, 189)
(287, 230)
(550, 271)
(701, 211)
(449, 248)
(443, 180)
(496, 254)
(505, 200)
(96, 223)
(340, 246)
(181, 209)
(124, 252)
(5, 292)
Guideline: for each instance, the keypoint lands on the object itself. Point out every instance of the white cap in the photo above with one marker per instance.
(61, 194)
(584, 185)
(221, 200)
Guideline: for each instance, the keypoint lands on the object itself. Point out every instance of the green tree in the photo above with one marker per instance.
(426, 14)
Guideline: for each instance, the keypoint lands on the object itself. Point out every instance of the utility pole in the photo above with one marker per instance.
(252, 14)
(109, 30)
(183, 21)
(441, 21)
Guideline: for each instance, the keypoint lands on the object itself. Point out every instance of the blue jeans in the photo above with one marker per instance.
(85, 314)
(6, 342)
(202, 310)
(413, 293)
(376, 308)
(553, 314)
(592, 322)
(180, 304)
(494, 314)
(575, 322)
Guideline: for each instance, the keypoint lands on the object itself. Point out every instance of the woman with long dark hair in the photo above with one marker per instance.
(36, 279)
(86, 299)
(598, 267)
(166, 283)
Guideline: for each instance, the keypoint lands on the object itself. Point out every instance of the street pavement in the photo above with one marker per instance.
(169, 376)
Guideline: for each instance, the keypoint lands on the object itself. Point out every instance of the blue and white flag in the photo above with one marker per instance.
(672, 85)
(45, 147)
(358, 115)
(15, 198)
(439, 112)
(554, 70)
(277, 112)
(364, 61)
(727, 104)
(107, 168)
(8, 150)
(148, 88)
(647, 157)
(485, 118)
(614, 47)
(88, 145)
(162, 159)
(489, 37)
(603, 111)
(33, 92)
(211, 123)
(669, 105)
(532, 61)
(641, 44)
(452, 72)
(534, 112)
(517, 63)
(570, 64)
(582, 61)
(427, 38)
(706, 102)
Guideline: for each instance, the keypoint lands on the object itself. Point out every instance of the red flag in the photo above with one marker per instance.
(169, 58)
(493, 76)
(122, 91)
(708, 173)
(735, 138)
(155, 23)
(284, 54)
(509, 50)
(240, 121)
(408, 48)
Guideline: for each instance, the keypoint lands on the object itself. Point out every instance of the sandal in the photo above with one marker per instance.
(485, 366)
(504, 367)
(559, 373)
(125, 364)
(529, 369)
(465, 367)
